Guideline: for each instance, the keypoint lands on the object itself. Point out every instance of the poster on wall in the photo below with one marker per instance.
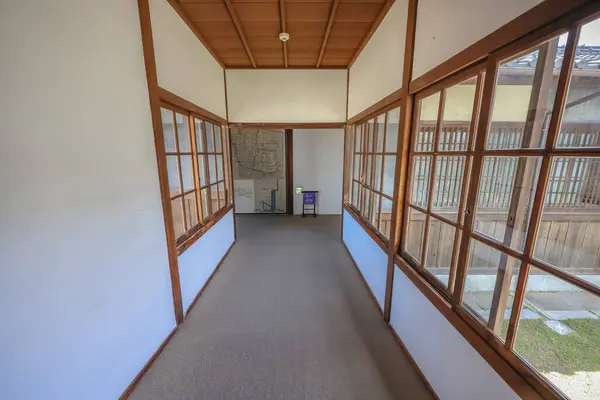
(244, 195)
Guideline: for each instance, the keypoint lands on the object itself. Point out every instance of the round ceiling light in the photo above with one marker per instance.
(284, 36)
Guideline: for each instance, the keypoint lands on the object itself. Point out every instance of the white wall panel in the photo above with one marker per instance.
(453, 368)
(198, 262)
(184, 66)
(370, 258)
(377, 72)
(85, 292)
(319, 165)
(445, 28)
(286, 95)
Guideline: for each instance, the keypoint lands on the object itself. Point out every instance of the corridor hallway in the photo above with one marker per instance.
(286, 316)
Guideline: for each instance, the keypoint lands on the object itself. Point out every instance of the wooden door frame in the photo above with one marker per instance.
(289, 171)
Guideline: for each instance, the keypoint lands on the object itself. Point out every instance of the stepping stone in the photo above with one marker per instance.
(570, 314)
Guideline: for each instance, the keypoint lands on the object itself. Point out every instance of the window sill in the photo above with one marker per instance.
(200, 232)
(376, 236)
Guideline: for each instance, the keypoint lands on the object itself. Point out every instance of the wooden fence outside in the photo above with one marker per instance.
(569, 233)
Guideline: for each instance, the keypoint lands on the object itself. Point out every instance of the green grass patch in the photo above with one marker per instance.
(548, 351)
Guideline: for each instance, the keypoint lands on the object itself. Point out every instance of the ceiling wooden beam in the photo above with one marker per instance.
(282, 17)
(240, 32)
(334, 7)
(386, 7)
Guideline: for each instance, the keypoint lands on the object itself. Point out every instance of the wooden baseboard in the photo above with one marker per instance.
(412, 361)
(362, 278)
(125, 395)
(193, 303)
(147, 366)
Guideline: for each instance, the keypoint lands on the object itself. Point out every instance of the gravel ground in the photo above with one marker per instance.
(580, 386)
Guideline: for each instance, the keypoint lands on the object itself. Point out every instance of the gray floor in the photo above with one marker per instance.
(285, 317)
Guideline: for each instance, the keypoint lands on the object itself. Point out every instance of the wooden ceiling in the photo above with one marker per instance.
(245, 33)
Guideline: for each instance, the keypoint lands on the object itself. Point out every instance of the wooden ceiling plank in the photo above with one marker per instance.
(283, 20)
(334, 7)
(382, 13)
(236, 22)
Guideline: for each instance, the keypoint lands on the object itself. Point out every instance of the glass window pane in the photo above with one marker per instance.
(199, 135)
(447, 185)
(370, 136)
(559, 334)
(366, 178)
(385, 219)
(168, 132)
(439, 249)
(212, 169)
(375, 214)
(356, 166)
(355, 194)
(178, 223)
(202, 170)
(457, 115)
(569, 231)
(187, 173)
(524, 98)
(217, 139)
(488, 272)
(183, 133)
(581, 119)
(391, 137)
(428, 115)
(380, 133)
(214, 198)
(414, 233)
(191, 210)
(173, 174)
(505, 198)
(366, 212)
(377, 161)
(210, 142)
(205, 210)
(222, 195)
(421, 176)
(389, 168)
(358, 139)
(220, 175)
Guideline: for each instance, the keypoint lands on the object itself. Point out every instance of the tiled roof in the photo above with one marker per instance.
(586, 58)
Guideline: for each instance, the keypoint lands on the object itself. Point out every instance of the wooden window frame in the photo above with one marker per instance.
(441, 87)
(364, 184)
(452, 296)
(224, 203)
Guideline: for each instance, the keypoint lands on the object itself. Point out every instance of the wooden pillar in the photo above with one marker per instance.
(400, 175)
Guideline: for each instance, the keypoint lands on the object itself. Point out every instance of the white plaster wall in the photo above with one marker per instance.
(378, 71)
(445, 28)
(197, 263)
(371, 260)
(453, 368)
(85, 293)
(286, 95)
(319, 165)
(183, 64)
